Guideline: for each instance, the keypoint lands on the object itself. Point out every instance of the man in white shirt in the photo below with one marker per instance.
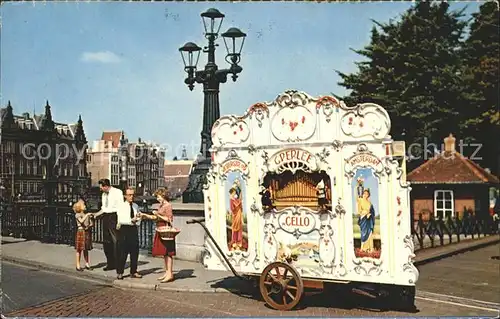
(128, 222)
(112, 199)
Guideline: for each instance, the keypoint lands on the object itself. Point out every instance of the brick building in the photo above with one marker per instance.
(124, 163)
(450, 184)
(148, 159)
(177, 173)
(40, 159)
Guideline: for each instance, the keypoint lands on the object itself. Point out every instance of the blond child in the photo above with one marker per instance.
(83, 240)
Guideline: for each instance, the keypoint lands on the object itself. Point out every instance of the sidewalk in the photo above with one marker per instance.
(190, 276)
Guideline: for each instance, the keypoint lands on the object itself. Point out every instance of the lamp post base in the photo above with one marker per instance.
(197, 178)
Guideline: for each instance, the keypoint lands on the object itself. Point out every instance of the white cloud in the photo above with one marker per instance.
(100, 57)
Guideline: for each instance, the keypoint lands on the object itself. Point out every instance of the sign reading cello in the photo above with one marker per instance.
(297, 221)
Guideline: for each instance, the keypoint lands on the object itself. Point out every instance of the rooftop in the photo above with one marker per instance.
(451, 167)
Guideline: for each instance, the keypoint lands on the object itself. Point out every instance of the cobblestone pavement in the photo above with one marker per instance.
(27, 286)
(119, 302)
(463, 285)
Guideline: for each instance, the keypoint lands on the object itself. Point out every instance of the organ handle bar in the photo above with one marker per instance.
(200, 221)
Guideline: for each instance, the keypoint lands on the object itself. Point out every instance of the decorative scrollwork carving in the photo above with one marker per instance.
(265, 157)
(341, 269)
(366, 119)
(254, 208)
(363, 148)
(337, 145)
(251, 149)
(238, 257)
(292, 98)
(260, 110)
(210, 254)
(367, 266)
(326, 248)
(409, 267)
(323, 156)
(256, 260)
(339, 209)
(293, 167)
(270, 244)
(328, 103)
(212, 174)
(232, 154)
(230, 130)
(207, 255)
(400, 176)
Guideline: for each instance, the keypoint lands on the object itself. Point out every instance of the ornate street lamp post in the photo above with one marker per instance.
(123, 160)
(211, 77)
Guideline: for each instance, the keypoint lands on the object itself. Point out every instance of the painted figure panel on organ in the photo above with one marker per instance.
(236, 217)
(366, 216)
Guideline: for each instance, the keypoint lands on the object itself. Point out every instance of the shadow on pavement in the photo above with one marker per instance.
(339, 296)
(184, 274)
(348, 300)
(147, 271)
(99, 265)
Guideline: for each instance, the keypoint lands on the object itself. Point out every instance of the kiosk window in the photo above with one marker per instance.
(443, 204)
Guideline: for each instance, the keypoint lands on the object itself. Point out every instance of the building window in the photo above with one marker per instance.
(114, 180)
(35, 167)
(444, 204)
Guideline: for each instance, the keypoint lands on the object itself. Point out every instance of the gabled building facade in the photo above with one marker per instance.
(40, 159)
(135, 165)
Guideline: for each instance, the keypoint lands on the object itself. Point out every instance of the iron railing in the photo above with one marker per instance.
(431, 232)
(52, 224)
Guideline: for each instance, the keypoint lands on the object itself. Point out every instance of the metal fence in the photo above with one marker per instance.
(57, 225)
(432, 232)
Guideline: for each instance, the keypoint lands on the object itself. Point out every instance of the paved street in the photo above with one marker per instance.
(24, 286)
(463, 285)
(471, 275)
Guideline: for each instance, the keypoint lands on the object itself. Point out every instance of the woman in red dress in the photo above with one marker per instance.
(165, 248)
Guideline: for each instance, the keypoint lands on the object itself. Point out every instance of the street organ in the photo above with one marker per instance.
(305, 191)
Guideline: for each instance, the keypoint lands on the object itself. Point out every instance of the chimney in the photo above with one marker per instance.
(449, 144)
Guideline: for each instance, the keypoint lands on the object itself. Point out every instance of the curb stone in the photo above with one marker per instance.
(133, 285)
(57, 269)
(139, 285)
(198, 290)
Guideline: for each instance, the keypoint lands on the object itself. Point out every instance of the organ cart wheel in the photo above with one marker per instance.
(281, 286)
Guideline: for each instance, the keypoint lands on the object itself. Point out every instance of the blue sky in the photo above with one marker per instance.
(117, 63)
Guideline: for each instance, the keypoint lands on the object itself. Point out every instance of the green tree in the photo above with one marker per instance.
(413, 70)
(481, 52)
